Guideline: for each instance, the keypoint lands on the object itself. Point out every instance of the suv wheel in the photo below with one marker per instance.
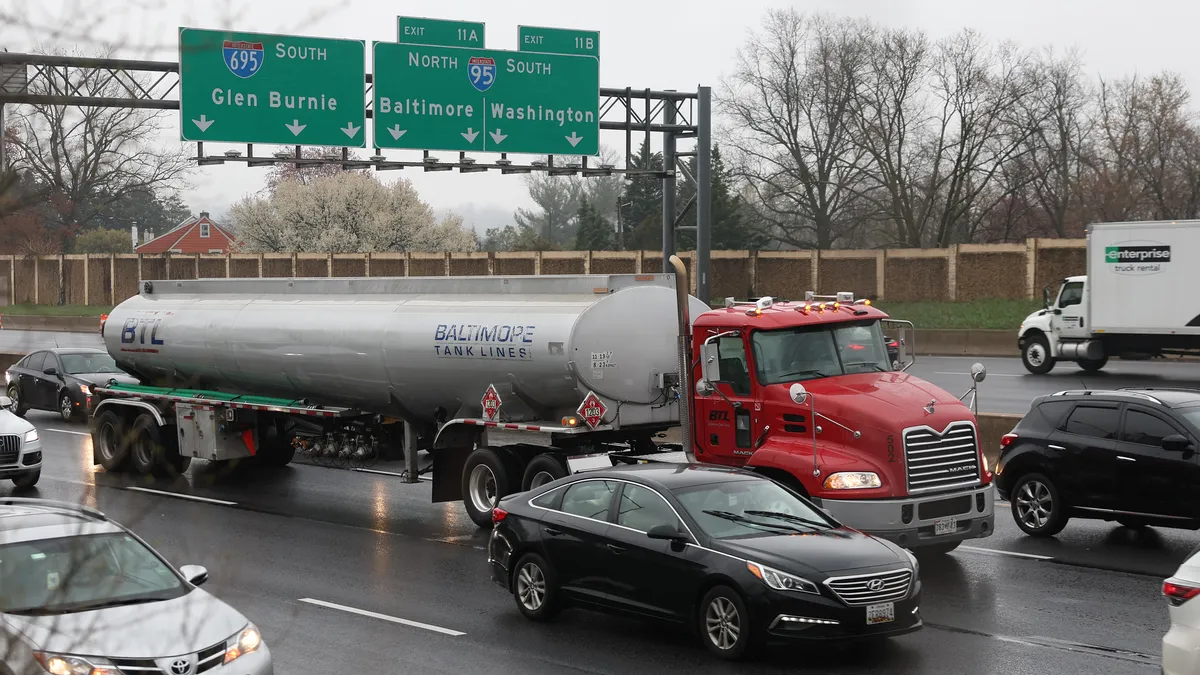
(1037, 506)
(1036, 355)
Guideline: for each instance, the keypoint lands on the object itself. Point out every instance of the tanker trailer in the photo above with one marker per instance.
(237, 369)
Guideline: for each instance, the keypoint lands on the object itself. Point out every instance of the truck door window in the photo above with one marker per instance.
(732, 354)
(1072, 294)
(1093, 421)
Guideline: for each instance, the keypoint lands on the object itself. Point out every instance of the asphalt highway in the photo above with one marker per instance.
(358, 572)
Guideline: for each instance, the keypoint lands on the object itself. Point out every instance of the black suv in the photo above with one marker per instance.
(1128, 455)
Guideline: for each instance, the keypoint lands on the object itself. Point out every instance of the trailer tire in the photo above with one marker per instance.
(543, 469)
(148, 454)
(275, 451)
(173, 464)
(110, 446)
(485, 481)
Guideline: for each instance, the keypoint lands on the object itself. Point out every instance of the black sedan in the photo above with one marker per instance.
(60, 380)
(736, 556)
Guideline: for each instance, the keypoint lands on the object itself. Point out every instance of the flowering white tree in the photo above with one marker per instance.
(346, 213)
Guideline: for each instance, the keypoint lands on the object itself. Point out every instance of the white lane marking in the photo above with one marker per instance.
(65, 431)
(164, 493)
(939, 372)
(384, 617)
(389, 473)
(992, 551)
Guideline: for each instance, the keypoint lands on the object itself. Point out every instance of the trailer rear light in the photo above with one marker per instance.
(570, 421)
(1007, 439)
(498, 514)
(1177, 593)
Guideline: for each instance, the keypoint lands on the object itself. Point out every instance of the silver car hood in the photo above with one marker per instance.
(153, 630)
(11, 424)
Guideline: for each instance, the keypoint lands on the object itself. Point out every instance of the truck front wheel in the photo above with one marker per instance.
(1036, 355)
(485, 480)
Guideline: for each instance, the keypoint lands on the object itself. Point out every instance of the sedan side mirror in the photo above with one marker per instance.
(50, 371)
(1176, 443)
(195, 574)
(668, 532)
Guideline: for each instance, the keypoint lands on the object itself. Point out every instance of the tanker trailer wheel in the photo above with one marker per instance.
(148, 452)
(110, 444)
(485, 481)
(543, 469)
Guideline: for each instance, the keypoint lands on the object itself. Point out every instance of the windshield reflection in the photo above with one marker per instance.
(813, 352)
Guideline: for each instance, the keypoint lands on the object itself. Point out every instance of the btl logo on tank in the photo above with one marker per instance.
(243, 58)
(482, 72)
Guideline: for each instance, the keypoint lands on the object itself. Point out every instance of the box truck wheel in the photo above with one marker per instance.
(1036, 355)
(1093, 365)
(543, 469)
(109, 442)
(485, 480)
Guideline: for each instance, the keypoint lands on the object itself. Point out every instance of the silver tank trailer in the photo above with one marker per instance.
(417, 347)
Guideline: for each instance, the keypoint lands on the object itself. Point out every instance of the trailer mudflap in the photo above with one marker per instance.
(448, 465)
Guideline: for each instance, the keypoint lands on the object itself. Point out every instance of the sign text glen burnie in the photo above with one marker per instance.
(445, 98)
(258, 88)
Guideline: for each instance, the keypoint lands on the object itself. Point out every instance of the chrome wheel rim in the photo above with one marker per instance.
(482, 485)
(722, 623)
(1034, 504)
(531, 587)
(64, 407)
(539, 479)
(1035, 354)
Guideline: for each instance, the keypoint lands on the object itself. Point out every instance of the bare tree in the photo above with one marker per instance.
(87, 158)
(790, 101)
(1113, 189)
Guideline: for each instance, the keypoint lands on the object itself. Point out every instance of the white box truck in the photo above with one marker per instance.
(1136, 300)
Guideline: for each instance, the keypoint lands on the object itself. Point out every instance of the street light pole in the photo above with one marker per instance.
(620, 229)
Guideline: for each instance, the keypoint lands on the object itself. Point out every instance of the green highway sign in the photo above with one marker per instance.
(447, 98)
(278, 89)
(415, 30)
(558, 41)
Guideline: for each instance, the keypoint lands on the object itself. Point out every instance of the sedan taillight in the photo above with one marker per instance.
(1177, 593)
(498, 514)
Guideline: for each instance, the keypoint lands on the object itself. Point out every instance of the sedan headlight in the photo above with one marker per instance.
(248, 640)
(852, 480)
(65, 664)
(31, 436)
(781, 581)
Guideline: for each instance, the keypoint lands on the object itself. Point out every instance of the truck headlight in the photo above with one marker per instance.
(248, 640)
(781, 581)
(31, 436)
(852, 480)
(65, 664)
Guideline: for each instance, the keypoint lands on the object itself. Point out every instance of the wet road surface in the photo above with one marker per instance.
(358, 572)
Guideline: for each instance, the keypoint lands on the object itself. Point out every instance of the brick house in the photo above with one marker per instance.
(194, 235)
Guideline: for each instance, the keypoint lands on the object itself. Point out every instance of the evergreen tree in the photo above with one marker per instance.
(731, 228)
(641, 220)
(595, 233)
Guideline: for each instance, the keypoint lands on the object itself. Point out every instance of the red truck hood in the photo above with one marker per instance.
(880, 406)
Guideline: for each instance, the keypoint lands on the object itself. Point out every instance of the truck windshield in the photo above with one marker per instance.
(812, 352)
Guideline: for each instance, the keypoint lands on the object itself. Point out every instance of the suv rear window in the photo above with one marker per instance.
(1045, 417)
(1094, 421)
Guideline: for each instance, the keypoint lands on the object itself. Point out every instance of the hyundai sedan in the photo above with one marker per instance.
(737, 557)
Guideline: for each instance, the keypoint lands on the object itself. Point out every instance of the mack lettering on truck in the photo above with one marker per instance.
(484, 341)
(1137, 257)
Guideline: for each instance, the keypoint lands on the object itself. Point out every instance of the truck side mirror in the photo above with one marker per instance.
(704, 388)
(710, 362)
(1046, 297)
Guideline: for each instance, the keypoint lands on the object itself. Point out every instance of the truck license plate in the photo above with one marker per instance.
(883, 613)
(945, 526)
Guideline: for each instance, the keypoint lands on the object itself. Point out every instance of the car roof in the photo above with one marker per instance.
(1167, 397)
(76, 350)
(24, 520)
(673, 476)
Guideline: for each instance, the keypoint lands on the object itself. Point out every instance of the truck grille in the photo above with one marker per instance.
(857, 591)
(10, 447)
(941, 461)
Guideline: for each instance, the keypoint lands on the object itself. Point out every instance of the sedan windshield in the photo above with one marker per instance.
(76, 574)
(812, 352)
(88, 363)
(749, 508)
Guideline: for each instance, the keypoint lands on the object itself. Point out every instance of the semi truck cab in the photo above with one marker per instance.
(805, 393)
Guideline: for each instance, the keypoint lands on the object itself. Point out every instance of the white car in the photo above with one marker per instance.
(20, 448)
(1181, 644)
(82, 595)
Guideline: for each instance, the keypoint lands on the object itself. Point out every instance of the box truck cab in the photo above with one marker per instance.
(804, 392)
(1132, 303)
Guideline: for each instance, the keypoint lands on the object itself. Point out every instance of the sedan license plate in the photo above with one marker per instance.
(945, 526)
(883, 613)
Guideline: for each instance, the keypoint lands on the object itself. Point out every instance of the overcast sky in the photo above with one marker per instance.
(648, 43)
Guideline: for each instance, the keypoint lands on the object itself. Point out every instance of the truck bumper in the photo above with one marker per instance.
(913, 522)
